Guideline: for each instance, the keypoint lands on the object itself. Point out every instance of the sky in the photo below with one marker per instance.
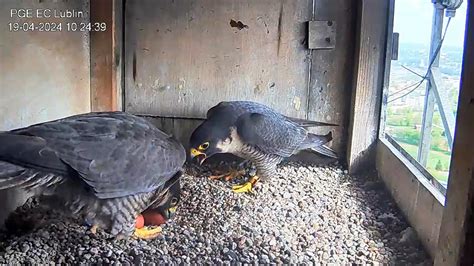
(413, 21)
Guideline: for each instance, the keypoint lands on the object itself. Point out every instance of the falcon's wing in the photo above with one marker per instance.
(309, 123)
(270, 133)
(233, 110)
(116, 154)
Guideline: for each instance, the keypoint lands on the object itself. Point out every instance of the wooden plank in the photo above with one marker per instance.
(185, 56)
(106, 51)
(329, 90)
(456, 242)
(44, 75)
(180, 128)
(117, 56)
(392, 44)
(418, 199)
(367, 91)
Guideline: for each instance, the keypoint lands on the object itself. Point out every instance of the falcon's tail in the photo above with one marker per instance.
(17, 163)
(325, 150)
(316, 143)
(309, 123)
(12, 175)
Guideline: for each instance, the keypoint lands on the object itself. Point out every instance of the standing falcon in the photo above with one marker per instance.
(258, 133)
(105, 167)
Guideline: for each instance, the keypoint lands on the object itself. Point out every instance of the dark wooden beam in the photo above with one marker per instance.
(367, 88)
(106, 55)
(456, 240)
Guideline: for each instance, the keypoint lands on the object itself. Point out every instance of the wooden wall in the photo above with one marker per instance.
(43, 75)
(456, 237)
(330, 89)
(421, 203)
(182, 57)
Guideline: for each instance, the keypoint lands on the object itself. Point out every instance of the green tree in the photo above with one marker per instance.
(439, 166)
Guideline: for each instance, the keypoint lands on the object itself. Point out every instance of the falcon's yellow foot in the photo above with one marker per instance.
(147, 232)
(247, 186)
(229, 175)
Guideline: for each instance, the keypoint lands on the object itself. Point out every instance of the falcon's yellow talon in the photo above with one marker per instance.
(147, 232)
(247, 186)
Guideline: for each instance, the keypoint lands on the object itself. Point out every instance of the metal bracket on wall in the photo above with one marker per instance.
(322, 34)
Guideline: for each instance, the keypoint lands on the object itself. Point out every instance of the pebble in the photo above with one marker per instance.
(304, 215)
(408, 235)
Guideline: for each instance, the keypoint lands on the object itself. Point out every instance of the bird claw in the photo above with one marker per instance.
(147, 232)
(246, 187)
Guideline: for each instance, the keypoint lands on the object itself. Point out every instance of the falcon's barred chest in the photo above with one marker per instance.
(117, 214)
(265, 162)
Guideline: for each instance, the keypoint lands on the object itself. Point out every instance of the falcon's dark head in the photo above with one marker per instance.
(205, 140)
(170, 197)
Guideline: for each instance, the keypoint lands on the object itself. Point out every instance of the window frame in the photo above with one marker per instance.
(409, 184)
(433, 182)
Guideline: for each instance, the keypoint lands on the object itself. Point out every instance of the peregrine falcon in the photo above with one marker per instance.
(105, 167)
(258, 133)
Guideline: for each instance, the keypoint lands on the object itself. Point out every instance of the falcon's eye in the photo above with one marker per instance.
(174, 201)
(204, 146)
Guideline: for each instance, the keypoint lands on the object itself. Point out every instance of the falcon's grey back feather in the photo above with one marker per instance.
(234, 109)
(270, 134)
(116, 154)
(91, 162)
(274, 132)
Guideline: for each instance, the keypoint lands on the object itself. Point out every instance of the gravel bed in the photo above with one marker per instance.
(309, 214)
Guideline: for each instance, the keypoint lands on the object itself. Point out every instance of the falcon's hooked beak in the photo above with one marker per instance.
(200, 156)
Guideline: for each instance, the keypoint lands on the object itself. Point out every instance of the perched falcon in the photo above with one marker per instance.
(106, 167)
(258, 133)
